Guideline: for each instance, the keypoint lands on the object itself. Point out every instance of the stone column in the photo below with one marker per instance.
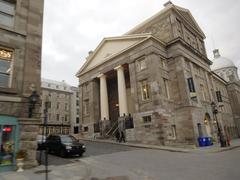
(103, 97)
(122, 93)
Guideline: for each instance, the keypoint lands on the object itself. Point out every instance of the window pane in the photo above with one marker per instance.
(6, 7)
(6, 20)
(145, 90)
(4, 66)
(4, 78)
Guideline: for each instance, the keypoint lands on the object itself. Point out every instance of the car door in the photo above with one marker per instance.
(54, 143)
(49, 143)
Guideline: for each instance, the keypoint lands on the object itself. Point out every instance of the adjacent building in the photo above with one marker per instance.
(227, 70)
(62, 108)
(155, 84)
(75, 109)
(20, 71)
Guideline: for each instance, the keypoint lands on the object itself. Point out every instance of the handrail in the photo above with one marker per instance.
(116, 123)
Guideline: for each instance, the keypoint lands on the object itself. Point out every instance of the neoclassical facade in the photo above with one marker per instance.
(20, 72)
(155, 84)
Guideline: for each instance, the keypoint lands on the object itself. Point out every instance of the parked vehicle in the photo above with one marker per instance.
(64, 145)
(41, 142)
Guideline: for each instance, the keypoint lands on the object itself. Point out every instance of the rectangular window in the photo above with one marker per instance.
(78, 112)
(144, 90)
(77, 120)
(66, 118)
(66, 106)
(85, 129)
(77, 102)
(5, 67)
(147, 119)
(191, 85)
(219, 96)
(142, 64)
(174, 131)
(166, 87)
(76, 130)
(7, 12)
(57, 117)
(86, 107)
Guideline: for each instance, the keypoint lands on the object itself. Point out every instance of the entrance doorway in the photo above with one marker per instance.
(207, 123)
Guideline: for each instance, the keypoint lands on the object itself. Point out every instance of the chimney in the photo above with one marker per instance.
(90, 52)
(216, 53)
(167, 4)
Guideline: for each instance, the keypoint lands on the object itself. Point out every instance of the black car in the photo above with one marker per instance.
(41, 142)
(64, 145)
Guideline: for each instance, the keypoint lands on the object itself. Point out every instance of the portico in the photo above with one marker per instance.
(113, 95)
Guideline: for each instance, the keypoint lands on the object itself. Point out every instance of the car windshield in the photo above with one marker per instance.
(68, 139)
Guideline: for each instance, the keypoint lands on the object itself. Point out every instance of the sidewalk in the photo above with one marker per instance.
(81, 170)
(74, 171)
(208, 149)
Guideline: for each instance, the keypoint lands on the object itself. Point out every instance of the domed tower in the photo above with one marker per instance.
(224, 67)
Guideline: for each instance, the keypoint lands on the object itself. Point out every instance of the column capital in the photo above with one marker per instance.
(101, 75)
(118, 67)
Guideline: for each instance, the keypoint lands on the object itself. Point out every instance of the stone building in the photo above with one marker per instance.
(62, 107)
(155, 84)
(227, 70)
(20, 70)
(75, 104)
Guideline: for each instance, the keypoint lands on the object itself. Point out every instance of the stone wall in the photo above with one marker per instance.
(25, 40)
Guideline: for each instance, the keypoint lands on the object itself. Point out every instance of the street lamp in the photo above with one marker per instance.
(33, 98)
(220, 134)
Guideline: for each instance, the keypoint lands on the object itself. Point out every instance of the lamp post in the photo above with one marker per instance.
(33, 98)
(45, 126)
(220, 134)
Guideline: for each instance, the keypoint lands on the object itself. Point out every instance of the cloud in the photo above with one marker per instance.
(72, 28)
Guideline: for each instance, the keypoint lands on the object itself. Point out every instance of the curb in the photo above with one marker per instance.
(166, 148)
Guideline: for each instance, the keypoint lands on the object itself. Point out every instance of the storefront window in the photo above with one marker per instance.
(7, 141)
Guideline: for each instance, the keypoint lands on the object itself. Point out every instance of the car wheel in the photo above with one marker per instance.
(62, 153)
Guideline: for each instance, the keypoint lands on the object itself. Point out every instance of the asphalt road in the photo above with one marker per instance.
(93, 149)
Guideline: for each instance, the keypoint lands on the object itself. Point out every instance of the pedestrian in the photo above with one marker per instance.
(117, 135)
(122, 137)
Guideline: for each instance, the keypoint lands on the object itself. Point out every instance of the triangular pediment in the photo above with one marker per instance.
(110, 47)
(186, 14)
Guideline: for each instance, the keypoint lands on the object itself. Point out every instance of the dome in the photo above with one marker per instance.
(220, 62)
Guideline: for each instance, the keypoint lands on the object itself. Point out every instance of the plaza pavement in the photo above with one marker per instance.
(81, 170)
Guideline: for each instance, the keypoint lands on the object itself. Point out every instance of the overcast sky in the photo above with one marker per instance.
(72, 28)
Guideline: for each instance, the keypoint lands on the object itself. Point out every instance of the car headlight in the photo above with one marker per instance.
(83, 146)
(68, 147)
